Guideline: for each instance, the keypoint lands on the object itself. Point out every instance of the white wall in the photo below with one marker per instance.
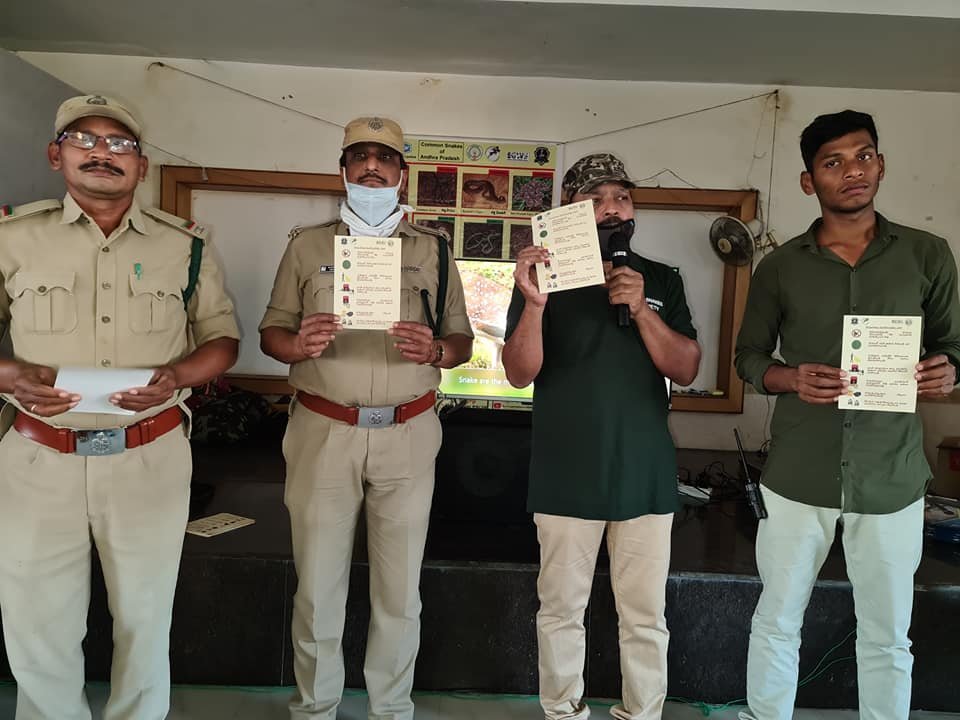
(724, 148)
(29, 99)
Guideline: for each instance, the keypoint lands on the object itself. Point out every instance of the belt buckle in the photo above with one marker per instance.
(375, 417)
(101, 442)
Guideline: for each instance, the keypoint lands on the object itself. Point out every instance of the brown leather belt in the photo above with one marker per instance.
(98, 442)
(368, 417)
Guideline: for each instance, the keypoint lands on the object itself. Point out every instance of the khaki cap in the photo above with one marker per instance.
(375, 130)
(94, 105)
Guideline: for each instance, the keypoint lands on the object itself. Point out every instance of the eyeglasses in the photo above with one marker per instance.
(116, 144)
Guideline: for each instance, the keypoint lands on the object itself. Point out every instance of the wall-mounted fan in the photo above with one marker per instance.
(735, 241)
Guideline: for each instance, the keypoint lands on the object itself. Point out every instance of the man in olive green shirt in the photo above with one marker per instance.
(602, 457)
(866, 469)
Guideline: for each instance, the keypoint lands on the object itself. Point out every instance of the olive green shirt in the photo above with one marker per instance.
(601, 448)
(860, 461)
(363, 367)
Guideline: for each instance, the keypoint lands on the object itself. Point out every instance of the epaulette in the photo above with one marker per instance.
(9, 213)
(436, 232)
(297, 229)
(187, 227)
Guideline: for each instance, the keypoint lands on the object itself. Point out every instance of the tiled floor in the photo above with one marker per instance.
(204, 703)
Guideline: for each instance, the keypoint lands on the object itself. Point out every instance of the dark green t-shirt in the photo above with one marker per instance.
(601, 447)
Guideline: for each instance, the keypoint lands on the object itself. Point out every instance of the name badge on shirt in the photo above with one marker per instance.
(326, 268)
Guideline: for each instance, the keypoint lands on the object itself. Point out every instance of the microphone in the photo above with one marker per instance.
(619, 244)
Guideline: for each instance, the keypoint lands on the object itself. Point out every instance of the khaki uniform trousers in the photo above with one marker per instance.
(333, 471)
(134, 506)
(639, 562)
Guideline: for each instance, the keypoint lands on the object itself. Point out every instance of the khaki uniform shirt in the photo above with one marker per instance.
(72, 297)
(362, 367)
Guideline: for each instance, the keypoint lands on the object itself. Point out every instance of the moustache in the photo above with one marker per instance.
(103, 165)
(372, 176)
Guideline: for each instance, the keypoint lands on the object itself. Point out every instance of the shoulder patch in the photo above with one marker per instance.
(435, 232)
(9, 213)
(296, 230)
(187, 227)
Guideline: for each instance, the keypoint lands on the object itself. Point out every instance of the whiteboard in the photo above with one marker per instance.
(680, 239)
(250, 231)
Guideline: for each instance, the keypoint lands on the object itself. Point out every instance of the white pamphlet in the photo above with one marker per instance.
(366, 292)
(218, 524)
(569, 233)
(880, 355)
(96, 385)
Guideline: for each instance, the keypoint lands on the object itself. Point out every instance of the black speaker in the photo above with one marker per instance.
(482, 470)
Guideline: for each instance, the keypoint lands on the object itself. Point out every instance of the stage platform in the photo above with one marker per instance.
(232, 613)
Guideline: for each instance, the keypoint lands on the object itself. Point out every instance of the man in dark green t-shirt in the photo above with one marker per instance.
(602, 456)
(865, 469)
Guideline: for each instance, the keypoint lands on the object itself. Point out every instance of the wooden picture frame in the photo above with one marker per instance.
(741, 204)
(177, 184)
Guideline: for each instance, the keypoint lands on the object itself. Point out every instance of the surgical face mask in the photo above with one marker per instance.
(372, 204)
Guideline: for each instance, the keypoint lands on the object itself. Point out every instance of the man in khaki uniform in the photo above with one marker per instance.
(362, 431)
(99, 282)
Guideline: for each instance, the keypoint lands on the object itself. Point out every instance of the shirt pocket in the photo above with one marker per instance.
(44, 302)
(412, 285)
(156, 303)
(318, 294)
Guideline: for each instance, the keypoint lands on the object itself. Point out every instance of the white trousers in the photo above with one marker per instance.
(882, 554)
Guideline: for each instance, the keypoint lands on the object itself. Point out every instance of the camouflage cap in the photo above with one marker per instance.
(375, 130)
(592, 170)
(89, 105)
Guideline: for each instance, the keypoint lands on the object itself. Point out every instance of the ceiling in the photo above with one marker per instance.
(669, 41)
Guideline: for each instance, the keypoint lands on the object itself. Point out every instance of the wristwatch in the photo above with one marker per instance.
(438, 358)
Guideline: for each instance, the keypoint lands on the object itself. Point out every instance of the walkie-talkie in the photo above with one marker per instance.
(754, 498)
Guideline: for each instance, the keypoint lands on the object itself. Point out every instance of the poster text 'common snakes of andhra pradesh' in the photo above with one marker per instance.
(482, 193)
